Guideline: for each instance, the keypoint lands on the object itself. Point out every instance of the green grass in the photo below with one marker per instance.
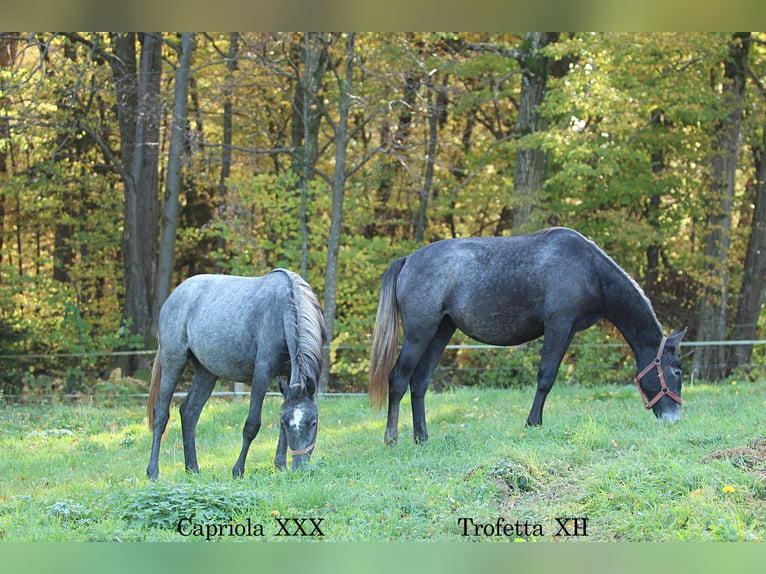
(76, 472)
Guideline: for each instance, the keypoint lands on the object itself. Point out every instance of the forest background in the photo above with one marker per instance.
(130, 161)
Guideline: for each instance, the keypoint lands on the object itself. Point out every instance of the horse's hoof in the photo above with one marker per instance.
(390, 440)
(280, 462)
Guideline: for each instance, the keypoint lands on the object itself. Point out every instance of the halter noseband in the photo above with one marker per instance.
(664, 390)
(310, 447)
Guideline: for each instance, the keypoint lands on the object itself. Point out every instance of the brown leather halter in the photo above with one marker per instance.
(664, 390)
(313, 443)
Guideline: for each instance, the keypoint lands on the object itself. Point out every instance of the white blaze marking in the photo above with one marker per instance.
(295, 422)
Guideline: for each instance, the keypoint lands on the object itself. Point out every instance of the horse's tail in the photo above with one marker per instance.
(154, 388)
(385, 336)
(305, 333)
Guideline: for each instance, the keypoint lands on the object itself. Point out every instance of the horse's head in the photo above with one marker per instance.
(660, 382)
(300, 422)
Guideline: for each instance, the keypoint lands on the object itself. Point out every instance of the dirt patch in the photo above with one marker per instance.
(751, 458)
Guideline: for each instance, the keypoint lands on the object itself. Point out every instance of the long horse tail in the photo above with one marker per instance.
(154, 388)
(305, 333)
(385, 336)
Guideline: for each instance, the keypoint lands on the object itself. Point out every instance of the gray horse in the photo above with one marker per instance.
(240, 329)
(506, 291)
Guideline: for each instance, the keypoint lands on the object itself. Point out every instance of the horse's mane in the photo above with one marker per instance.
(632, 282)
(309, 333)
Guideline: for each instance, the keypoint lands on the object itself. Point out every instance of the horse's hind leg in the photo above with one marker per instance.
(202, 386)
(555, 344)
(172, 368)
(397, 387)
(422, 375)
(417, 360)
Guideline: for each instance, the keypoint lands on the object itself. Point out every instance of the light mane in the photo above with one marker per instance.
(309, 328)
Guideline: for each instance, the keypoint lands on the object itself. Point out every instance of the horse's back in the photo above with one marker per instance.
(499, 290)
(224, 299)
(546, 258)
(223, 320)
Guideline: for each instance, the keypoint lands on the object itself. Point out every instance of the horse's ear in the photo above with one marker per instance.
(282, 386)
(311, 386)
(675, 337)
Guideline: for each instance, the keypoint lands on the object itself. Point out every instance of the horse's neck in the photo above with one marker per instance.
(630, 311)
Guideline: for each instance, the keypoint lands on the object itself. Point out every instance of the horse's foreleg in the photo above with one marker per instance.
(261, 380)
(280, 458)
(203, 384)
(555, 345)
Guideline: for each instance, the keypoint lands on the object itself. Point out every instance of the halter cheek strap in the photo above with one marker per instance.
(664, 390)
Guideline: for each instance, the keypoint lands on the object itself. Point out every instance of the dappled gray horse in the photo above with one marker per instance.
(506, 291)
(247, 329)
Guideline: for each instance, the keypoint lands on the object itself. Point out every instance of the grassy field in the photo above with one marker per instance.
(601, 468)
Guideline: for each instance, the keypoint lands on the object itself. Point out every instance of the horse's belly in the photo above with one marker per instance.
(238, 369)
(500, 327)
(233, 359)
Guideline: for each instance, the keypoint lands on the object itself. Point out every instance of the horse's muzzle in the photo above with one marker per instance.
(671, 414)
(300, 459)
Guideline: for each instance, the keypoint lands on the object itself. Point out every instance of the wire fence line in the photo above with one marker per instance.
(239, 391)
(181, 395)
(151, 352)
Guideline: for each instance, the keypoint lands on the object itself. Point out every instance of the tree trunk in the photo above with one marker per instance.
(652, 214)
(71, 202)
(307, 113)
(305, 126)
(228, 112)
(710, 361)
(63, 253)
(435, 105)
(7, 58)
(171, 207)
(531, 161)
(338, 189)
(138, 113)
(315, 63)
(751, 295)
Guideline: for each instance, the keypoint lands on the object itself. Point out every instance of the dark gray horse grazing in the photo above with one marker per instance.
(506, 291)
(240, 329)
